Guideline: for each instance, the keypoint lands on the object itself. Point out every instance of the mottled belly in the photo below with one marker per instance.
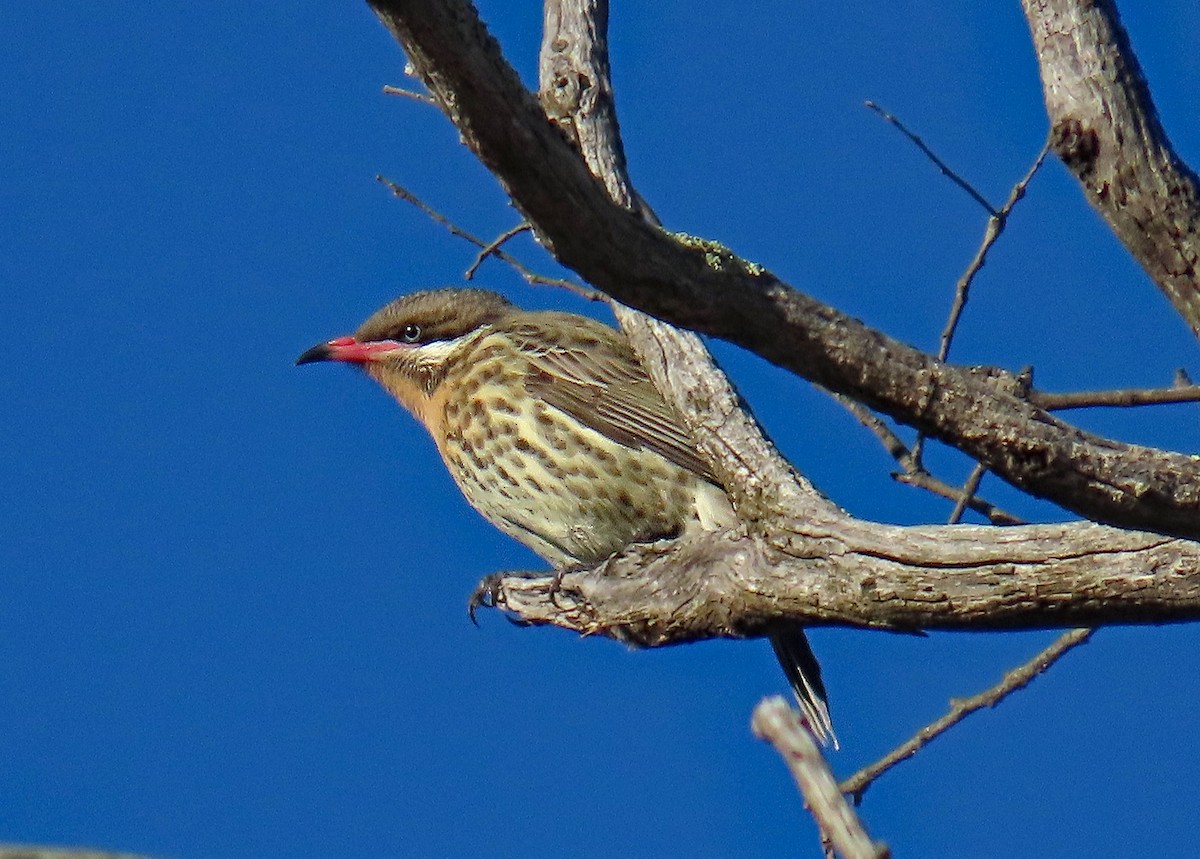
(566, 491)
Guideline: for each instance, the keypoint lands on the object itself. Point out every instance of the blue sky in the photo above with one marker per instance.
(232, 593)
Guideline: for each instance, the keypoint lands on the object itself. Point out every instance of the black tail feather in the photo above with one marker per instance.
(804, 673)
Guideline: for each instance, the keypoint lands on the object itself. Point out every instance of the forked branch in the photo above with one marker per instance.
(703, 286)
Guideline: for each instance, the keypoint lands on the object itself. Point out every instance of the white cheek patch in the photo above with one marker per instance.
(435, 352)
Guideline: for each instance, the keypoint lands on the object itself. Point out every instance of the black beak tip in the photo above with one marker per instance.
(320, 352)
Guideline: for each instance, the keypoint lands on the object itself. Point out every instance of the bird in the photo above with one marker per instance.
(554, 432)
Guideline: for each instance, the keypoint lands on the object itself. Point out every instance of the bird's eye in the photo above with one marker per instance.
(410, 333)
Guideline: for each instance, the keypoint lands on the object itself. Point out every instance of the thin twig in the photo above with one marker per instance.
(494, 246)
(937, 162)
(786, 730)
(409, 197)
(455, 230)
(924, 480)
(967, 493)
(997, 219)
(408, 93)
(995, 226)
(1017, 678)
(891, 442)
(918, 451)
(914, 473)
(1119, 398)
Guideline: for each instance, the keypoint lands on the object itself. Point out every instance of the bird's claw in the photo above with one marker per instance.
(556, 583)
(555, 586)
(486, 594)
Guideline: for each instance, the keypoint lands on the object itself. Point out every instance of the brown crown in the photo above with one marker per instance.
(440, 314)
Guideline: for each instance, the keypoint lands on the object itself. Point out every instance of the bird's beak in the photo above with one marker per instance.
(320, 352)
(349, 350)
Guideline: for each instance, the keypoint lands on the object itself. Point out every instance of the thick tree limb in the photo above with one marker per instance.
(705, 287)
(1104, 127)
(866, 575)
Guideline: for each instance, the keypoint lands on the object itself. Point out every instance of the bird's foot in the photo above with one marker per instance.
(489, 593)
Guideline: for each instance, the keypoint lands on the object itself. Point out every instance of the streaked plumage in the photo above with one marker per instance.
(551, 428)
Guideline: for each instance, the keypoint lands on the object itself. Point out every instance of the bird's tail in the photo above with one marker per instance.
(804, 673)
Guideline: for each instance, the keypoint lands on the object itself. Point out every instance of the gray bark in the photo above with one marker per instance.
(1104, 127)
(866, 575)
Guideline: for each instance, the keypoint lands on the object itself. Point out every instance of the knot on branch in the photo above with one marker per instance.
(567, 93)
(1077, 145)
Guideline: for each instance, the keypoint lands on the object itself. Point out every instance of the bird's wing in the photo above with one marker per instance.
(595, 378)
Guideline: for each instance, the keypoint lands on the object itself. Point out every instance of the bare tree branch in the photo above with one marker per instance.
(784, 728)
(1106, 130)
(703, 286)
(37, 851)
(576, 92)
(1017, 678)
(997, 220)
(941, 165)
(1118, 398)
(492, 247)
(575, 87)
(437, 217)
(967, 493)
(924, 480)
(951, 577)
(914, 473)
(995, 226)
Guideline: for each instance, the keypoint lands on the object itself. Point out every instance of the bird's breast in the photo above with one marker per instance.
(566, 490)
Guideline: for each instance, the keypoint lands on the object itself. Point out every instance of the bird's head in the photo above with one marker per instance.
(407, 345)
